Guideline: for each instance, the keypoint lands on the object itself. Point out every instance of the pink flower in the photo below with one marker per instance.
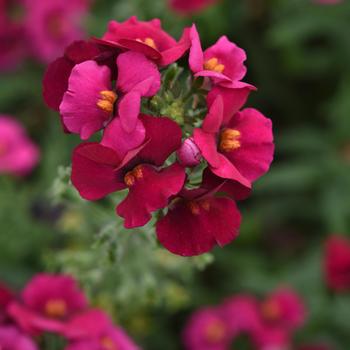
(18, 154)
(207, 330)
(12, 37)
(190, 6)
(55, 82)
(223, 62)
(94, 330)
(52, 25)
(48, 301)
(337, 263)
(147, 38)
(12, 339)
(117, 164)
(196, 221)
(238, 149)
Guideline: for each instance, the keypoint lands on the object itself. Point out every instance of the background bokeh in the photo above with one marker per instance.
(298, 57)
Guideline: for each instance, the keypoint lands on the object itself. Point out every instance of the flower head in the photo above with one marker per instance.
(18, 154)
(47, 302)
(337, 263)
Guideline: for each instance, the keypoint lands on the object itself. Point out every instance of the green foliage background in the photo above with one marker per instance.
(298, 57)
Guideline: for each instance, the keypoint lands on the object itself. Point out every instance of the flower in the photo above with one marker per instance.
(147, 38)
(189, 154)
(337, 263)
(196, 221)
(206, 330)
(52, 25)
(55, 82)
(12, 37)
(239, 149)
(12, 339)
(190, 6)
(223, 62)
(94, 330)
(18, 154)
(100, 169)
(48, 301)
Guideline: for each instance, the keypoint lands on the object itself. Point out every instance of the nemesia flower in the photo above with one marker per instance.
(206, 330)
(48, 301)
(197, 221)
(223, 62)
(52, 25)
(337, 263)
(12, 339)
(189, 154)
(147, 38)
(94, 330)
(18, 154)
(239, 149)
(190, 6)
(100, 169)
(55, 82)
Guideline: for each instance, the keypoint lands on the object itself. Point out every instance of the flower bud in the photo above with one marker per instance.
(189, 154)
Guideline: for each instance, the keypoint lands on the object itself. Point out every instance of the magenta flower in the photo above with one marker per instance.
(196, 221)
(12, 339)
(12, 37)
(52, 25)
(337, 263)
(239, 149)
(48, 301)
(223, 62)
(147, 38)
(206, 330)
(18, 154)
(55, 82)
(100, 169)
(189, 154)
(94, 330)
(190, 6)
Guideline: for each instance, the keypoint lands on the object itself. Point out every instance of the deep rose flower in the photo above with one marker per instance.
(12, 339)
(189, 154)
(88, 103)
(55, 82)
(207, 330)
(52, 25)
(115, 164)
(196, 221)
(337, 263)
(190, 6)
(147, 38)
(48, 301)
(94, 330)
(12, 37)
(223, 62)
(18, 154)
(239, 149)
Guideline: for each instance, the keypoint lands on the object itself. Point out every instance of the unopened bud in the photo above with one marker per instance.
(189, 154)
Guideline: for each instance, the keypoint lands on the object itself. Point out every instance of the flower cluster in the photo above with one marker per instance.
(54, 304)
(38, 28)
(18, 154)
(181, 144)
(267, 324)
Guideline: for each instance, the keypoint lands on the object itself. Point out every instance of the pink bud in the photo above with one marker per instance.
(189, 154)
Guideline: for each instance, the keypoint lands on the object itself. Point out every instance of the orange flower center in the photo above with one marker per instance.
(214, 65)
(132, 176)
(229, 140)
(215, 332)
(56, 308)
(196, 206)
(271, 310)
(149, 42)
(108, 344)
(107, 100)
